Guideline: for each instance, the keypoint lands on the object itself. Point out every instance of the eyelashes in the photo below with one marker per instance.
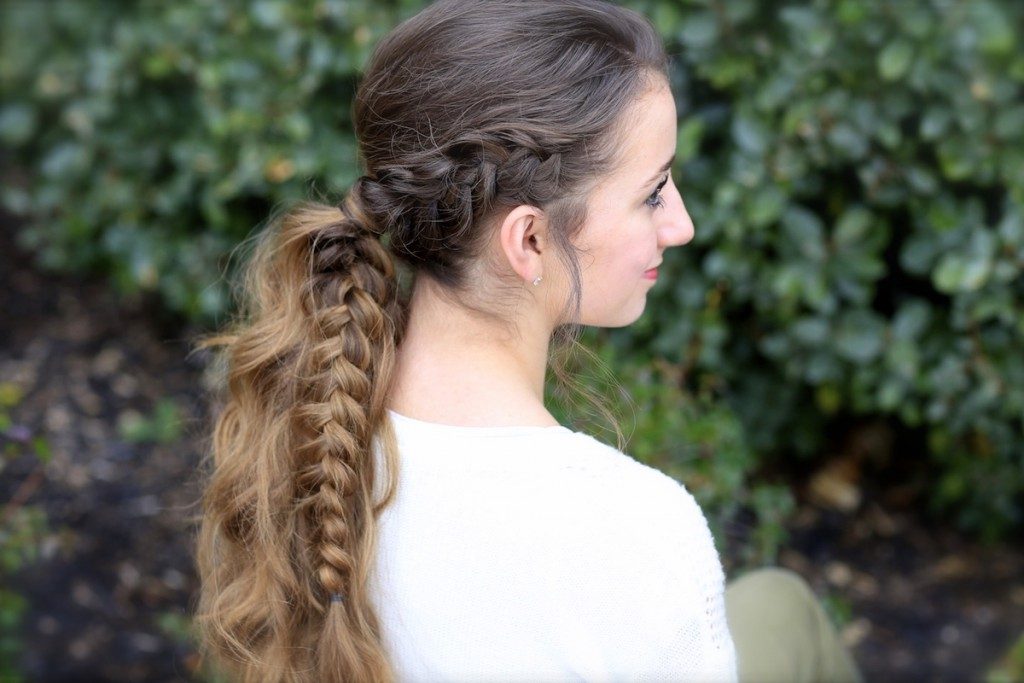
(655, 200)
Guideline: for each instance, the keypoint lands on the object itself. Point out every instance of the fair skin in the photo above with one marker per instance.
(456, 369)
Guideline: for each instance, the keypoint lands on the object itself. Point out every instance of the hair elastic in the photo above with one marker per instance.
(337, 597)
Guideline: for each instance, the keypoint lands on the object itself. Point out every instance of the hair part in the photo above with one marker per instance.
(466, 110)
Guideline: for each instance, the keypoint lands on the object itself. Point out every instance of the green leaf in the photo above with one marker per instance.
(700, 30)
(688, 140)
(911, 320)
(860, 336)
(1009, 122)
(10, 394)
(852, 227)
(895, 59)
(958, 158)
(890, 394)
(1010, 229)
(667, 18)
(904, 358)
(848, 139)
(806, 232)
(851, 12)
(17, 124)
(966, 270)
(766, 205)
(42, 449)
(750, 134)
(811, 331)
(935, 122)
(995, 29)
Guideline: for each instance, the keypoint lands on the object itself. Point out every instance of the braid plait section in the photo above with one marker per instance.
(335, 414)
(430, 204)
(352, 304)
(350, 324)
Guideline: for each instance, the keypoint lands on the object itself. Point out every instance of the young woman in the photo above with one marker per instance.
(390, 497)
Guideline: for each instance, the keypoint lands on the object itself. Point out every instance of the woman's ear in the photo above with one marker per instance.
(523, 239)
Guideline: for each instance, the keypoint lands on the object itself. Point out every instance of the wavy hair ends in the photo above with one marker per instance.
(293, 492)
(296, 484)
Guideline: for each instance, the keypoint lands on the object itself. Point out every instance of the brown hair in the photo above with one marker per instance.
(468, 107)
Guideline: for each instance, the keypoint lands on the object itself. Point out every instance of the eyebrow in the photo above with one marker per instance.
(662, 170)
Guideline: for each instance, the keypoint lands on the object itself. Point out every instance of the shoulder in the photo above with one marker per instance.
(603, 466)
(615, 505)
(637, 538)
(647, 513)
(554, 475)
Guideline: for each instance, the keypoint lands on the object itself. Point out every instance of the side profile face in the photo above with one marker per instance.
(634, 214)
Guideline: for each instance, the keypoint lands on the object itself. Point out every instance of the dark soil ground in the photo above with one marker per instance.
(109, 598)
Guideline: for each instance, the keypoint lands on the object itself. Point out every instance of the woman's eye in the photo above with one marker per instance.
(655, 200)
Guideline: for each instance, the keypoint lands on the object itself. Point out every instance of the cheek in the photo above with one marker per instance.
(621, 248)
(621, 267)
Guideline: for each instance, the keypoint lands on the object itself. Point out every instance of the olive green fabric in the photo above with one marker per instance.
(781, 632)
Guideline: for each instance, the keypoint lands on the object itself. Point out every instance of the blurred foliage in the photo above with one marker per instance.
(182, 630)
(22, 527)
(159, 134)
(838, 609)
(1011, 668)
(855, 171)
(164, 425)
(856, 175)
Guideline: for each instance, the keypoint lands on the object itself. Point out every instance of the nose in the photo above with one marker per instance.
(677, 227)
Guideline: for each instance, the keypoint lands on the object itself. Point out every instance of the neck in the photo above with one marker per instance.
(456, 367)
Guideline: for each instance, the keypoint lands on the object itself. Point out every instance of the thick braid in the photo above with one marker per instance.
(352, 299)
(337, 415)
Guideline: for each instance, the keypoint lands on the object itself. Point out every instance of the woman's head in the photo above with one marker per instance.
(503, 139)
(634, 213)
(472, 108)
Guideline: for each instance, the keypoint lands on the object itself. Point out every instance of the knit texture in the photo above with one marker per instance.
(542, 554)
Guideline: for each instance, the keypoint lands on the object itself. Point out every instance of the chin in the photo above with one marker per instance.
(620, 318)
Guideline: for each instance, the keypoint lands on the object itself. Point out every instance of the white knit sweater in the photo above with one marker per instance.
(542, 554)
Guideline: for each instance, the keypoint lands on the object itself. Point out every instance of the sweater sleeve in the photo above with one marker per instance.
(695, 643)
(670, 596)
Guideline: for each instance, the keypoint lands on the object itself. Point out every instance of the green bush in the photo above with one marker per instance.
(159, 134)
(855, 171)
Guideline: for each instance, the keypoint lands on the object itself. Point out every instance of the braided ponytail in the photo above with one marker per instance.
(308, 373)
(353, 322)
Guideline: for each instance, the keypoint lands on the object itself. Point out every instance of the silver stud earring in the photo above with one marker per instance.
(537, 281)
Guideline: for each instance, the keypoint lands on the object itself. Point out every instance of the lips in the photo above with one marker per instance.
(651, 274)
